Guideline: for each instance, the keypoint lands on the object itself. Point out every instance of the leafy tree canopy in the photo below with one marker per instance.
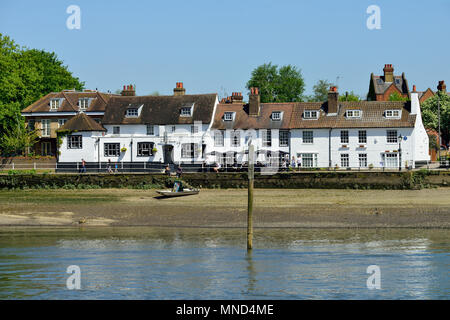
(26, 75)
(430, 113)
(320, 90)
(397, 97)
(349, 96)
(277, 84)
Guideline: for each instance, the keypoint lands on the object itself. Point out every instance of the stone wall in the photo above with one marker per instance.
(321, 180)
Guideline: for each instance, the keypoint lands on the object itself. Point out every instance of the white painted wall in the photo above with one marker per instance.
(419, 137)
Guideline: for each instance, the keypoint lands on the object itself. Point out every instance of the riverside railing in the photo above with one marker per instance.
(148, 167)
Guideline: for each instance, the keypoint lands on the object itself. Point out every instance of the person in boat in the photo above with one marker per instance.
(167, 170)
(179, 171)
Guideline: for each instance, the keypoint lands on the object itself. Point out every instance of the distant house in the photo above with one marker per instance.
(424, 95)
(53, 110)
(381, 87)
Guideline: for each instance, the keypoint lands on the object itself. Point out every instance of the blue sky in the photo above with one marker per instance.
(212, 45)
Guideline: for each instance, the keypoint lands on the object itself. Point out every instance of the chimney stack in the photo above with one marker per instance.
(254, 102)
(441, 86)
(388, 73)
(414, 88)
(333, 98)
(236, 97)
(129, 90)
(179, 90)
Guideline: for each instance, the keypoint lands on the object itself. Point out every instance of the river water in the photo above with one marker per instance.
(192, 263)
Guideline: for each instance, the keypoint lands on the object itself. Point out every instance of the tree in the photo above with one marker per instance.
(321, 89)
(18, 141)
(397, 97)
(284, 84)
(430, 113)
(26, 75)
(349, 96)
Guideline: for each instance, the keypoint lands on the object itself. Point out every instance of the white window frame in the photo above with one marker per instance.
(391, 163)
(83, 103)
(132, 113)
(75, 142)
(111, 149)
(307, 139)
(307, 160)
(266, 135)
(393, 114)
(311, 114)
(46, 127)
(228, 116)
(353, 113)
(362, 159)
(277, 116)
(283, 141)
(189, 150)
(116, 129)
(235, 138)
(194, 129)
(219, 138)
(186, 112)
(362, 138)
(345, 160)
(150, 130)
(145, 149)
(54, 104)
(61, 122)
(345, 137)
(391, 136)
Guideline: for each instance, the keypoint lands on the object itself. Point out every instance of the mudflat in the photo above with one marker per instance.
(305, 208)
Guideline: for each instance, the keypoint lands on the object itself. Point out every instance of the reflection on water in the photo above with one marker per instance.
(170, 263)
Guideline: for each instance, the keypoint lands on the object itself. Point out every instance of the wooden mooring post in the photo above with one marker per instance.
(251, 175)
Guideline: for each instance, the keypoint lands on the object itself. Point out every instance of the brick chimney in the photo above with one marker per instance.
(414, 88)
(333, 98)
(179, 90)
(441, 86)
(254, 102)
(388, 73)
(129, 90)
(236, 97)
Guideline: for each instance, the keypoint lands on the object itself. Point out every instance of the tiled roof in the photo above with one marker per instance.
(82, 122)
(69, 102)
(381, 86)
(243, 121)
(160, 110)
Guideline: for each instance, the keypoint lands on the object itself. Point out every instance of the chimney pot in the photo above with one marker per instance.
(414, 88)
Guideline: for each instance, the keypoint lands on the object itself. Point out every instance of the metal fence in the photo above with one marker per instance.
(148, 167)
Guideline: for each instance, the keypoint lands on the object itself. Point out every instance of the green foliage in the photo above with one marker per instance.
(26, 75)
(397, 97)
(349, 96)
(433, 142)
(21, 172)
(430, 113)
(18, 140)
(320, 89)
(284, 84)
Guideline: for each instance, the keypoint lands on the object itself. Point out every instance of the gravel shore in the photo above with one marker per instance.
(305, 208)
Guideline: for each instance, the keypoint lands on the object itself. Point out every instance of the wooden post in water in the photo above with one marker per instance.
(251, 174)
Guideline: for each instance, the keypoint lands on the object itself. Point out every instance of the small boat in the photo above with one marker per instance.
(171, 193)
(178, 191)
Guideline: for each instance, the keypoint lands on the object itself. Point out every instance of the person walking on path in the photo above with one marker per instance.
(179, 171)
(83, 166)
(109, 166)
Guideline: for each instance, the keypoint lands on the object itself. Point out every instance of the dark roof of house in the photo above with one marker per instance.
(160, 110)
(372, 116)
(81, 122)
(243, 121)
(69, 101)
(381, 86)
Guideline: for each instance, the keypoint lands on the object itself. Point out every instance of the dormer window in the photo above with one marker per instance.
(310, 114)
(276, 116)
(54, 104)
(393, 114)
(186, 110)
(353, 114)
(132, 113)
(83, 103)
(228, 116)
